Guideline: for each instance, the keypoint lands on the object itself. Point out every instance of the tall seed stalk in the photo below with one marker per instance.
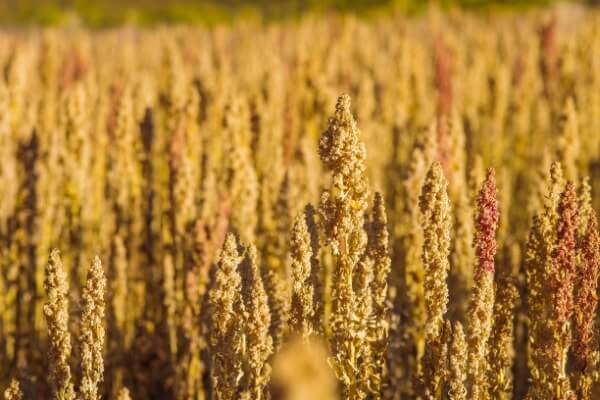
(56, 310)
(92, 335)
(481, 305)
(342, 211)
(437, 225)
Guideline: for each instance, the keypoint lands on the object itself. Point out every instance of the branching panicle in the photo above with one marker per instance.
(342, 211)
(92, 334)
(302, 311)
(481, 305)
(437, 225)
(457, 381)
(56, 310)
(586, 303)
(259, 344)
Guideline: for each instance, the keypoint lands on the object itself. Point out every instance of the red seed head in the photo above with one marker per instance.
(586, 300)
(487, 224)
(564, 252)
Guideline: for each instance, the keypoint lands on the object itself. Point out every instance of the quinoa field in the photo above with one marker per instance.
(322, 208)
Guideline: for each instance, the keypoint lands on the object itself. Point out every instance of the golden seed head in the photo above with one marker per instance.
(437, 225)
(258, 339)
(457, 389)
(302, 311)
(92, 335)
(56, 310)
(13, 392)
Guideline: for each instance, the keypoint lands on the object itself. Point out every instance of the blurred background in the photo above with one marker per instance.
(104, 13)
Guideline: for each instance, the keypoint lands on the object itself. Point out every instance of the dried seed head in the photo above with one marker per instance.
(562, 276)
(315, 269)
(481, 318)
(56, 310)
(586, 303)
(302, 311)
(341, 137)
(92, 335)
(437, 225)
(227, 285)
(457, 381)
(343, 205)
(481, 305)
(501, 347)
(13, 392)
(378, 252)
(550, 265)
(342, 211)
(379, 248)
(564, 254)
(256, 328)
(226, 336)
(487, 224)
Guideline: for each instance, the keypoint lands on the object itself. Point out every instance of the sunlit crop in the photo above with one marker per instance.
(330, 208)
